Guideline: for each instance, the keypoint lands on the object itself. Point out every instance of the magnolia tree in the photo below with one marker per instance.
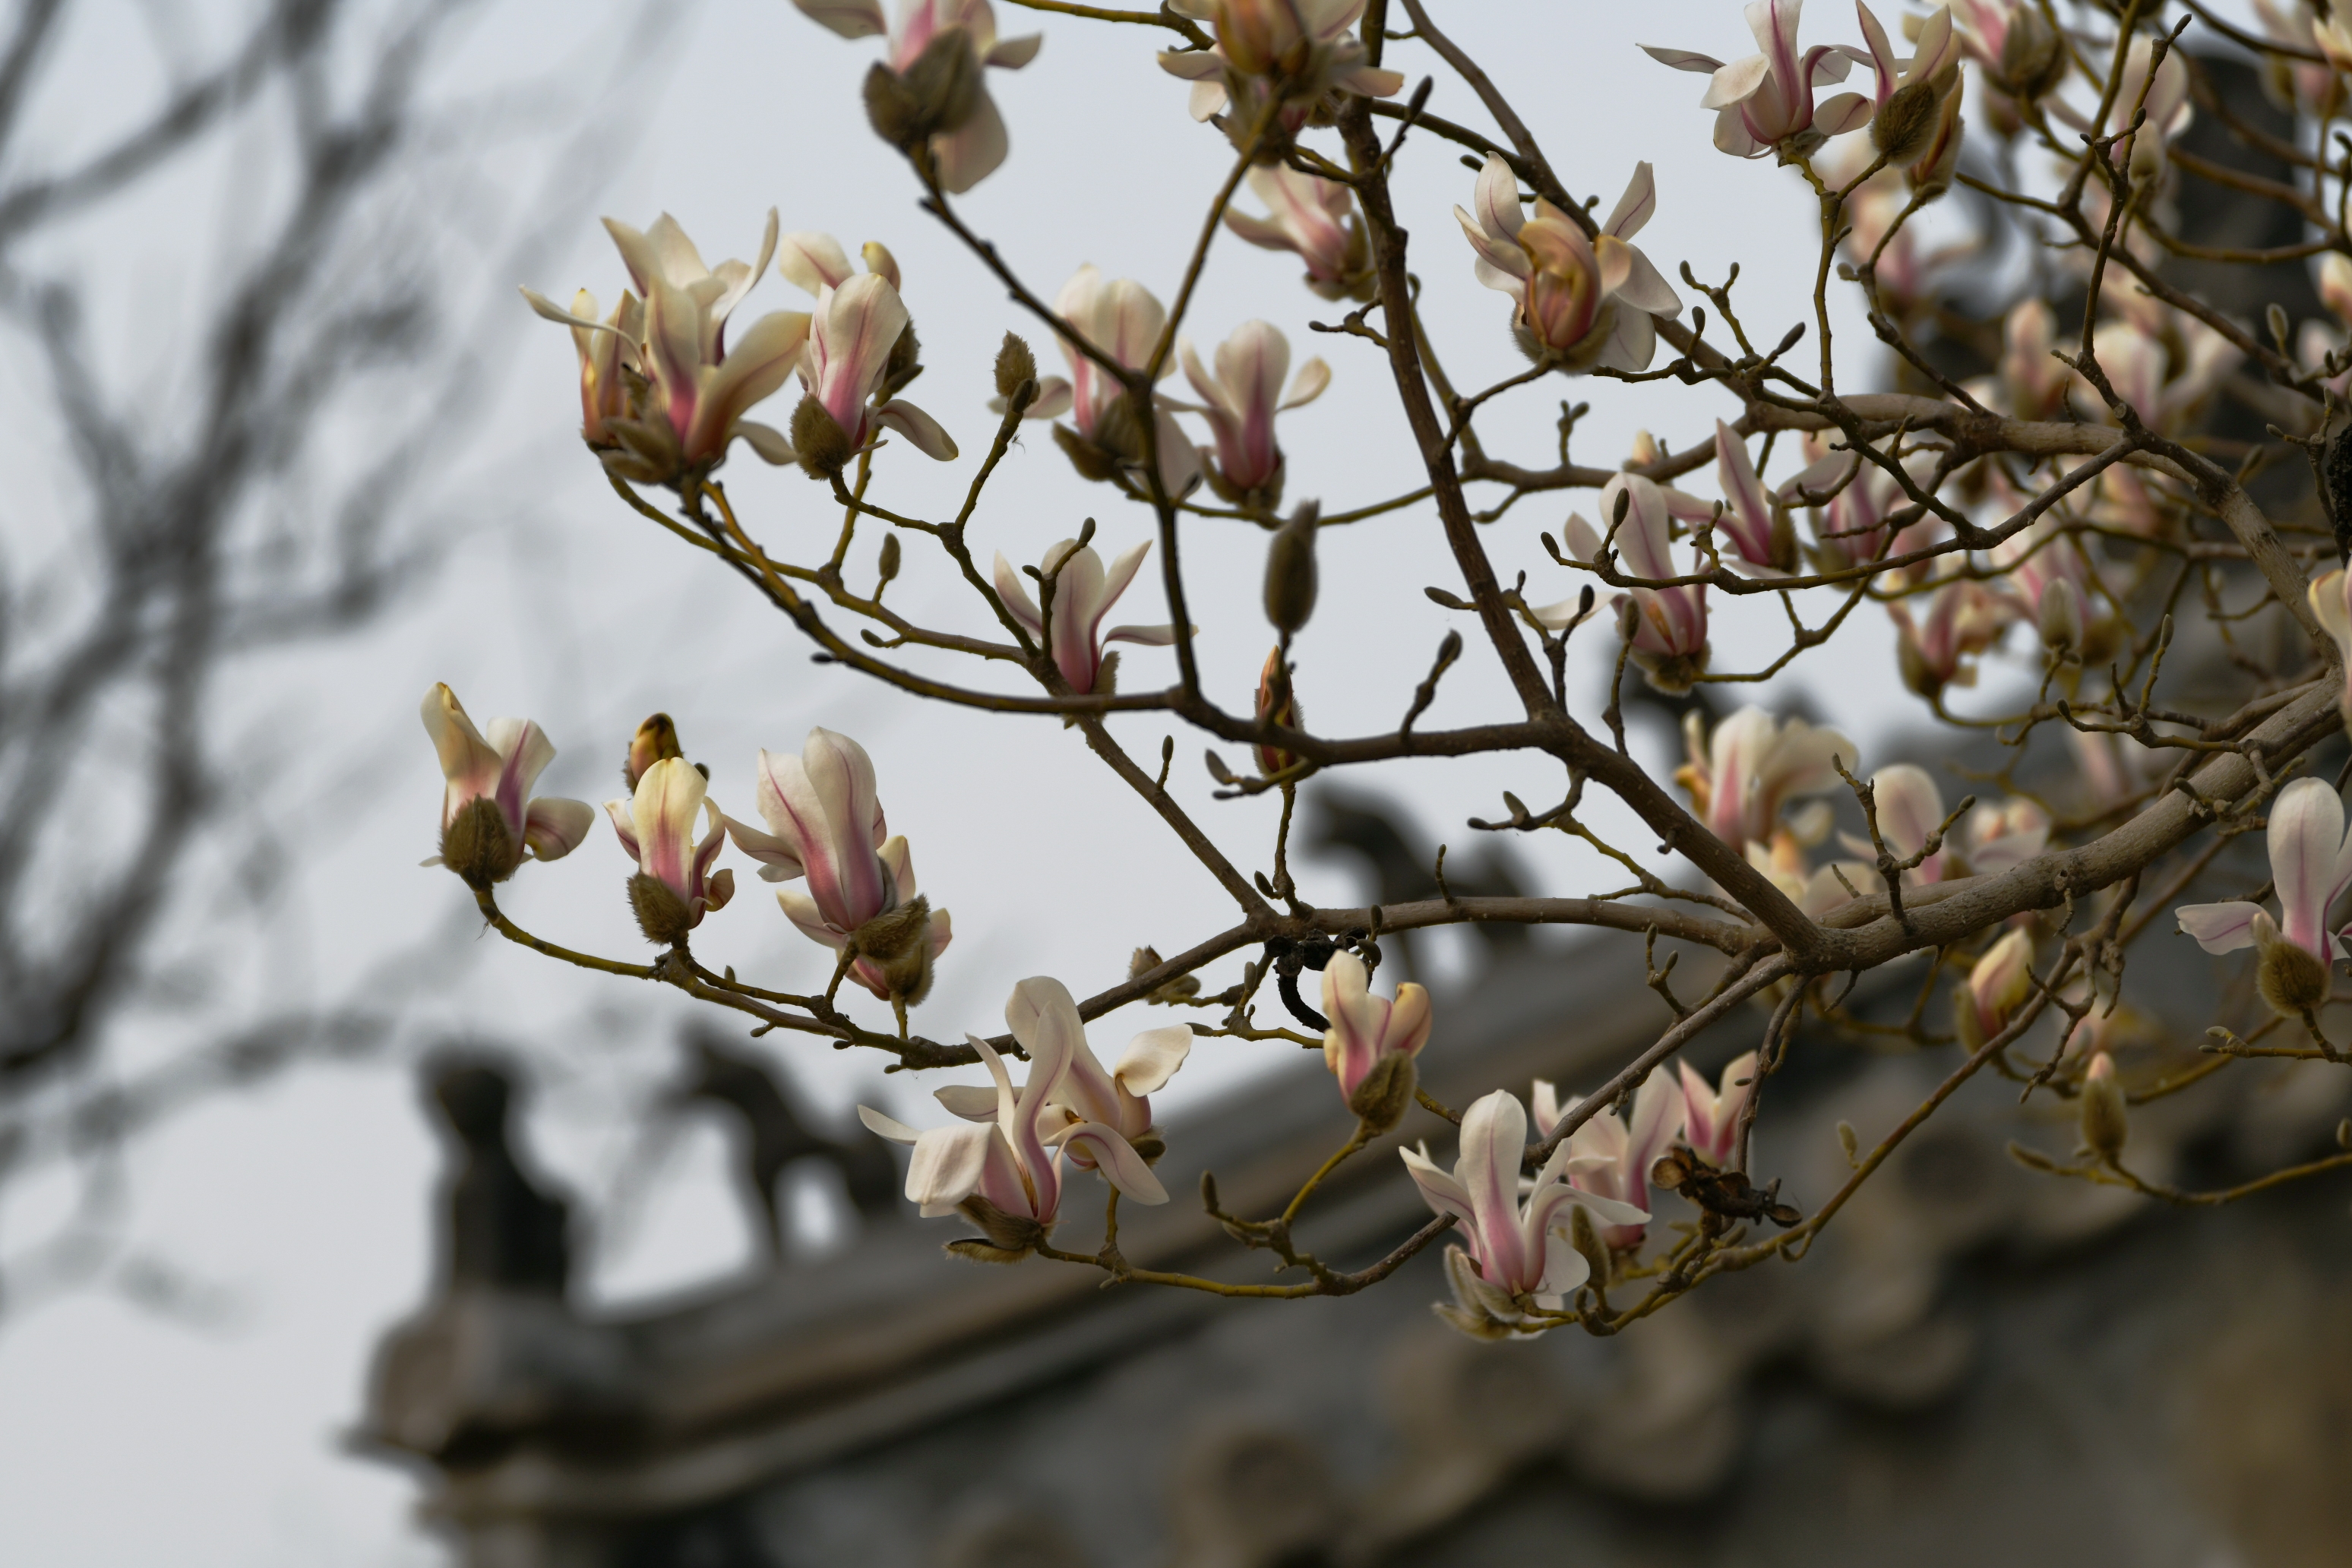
(2066, 509)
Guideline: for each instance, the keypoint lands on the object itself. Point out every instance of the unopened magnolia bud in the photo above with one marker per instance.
(1583, 1235)
(656, 741)
(1847, 1142)
(880, 262)
(1017, 368)
(1902, 128)
(821, 445)
(2276, 316)
(2105, 1118)
(1290, 583)
(1011, 1236)
(477, 845)
(2062, 615)
(1149, 1145)
(905, 363)
(1385, 1094)
(2032, 58)
(891, 108)
(1091, 460)
(1917, 673)
(888, 568)
(2290, 979)
(1784, 539)
(1931, 176)
(898, 942)
(662, 915)
(942, 85)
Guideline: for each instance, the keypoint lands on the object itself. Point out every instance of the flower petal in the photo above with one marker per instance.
(2219, 928)
(1152, 1058)
(555, 827)
(921, 431)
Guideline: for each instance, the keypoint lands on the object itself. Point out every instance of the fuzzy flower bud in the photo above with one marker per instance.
(1016, 367)
(2106, 1121)
(1290, 581)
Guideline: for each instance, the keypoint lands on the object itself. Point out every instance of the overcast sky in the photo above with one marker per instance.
(130, 1440)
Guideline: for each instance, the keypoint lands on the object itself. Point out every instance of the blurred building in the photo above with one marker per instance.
(1979, 1364)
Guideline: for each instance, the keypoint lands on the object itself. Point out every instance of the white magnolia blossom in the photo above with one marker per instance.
(1518, 1246)
(1084, 593)
(964, 153)
(1011, 1163)
(500, 768)
(1584, 302)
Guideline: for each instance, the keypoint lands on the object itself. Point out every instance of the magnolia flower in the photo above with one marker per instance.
(697, 387)
(1516, 1251)
(1123, 320)
(2331, 604)
(1372, 1041)
(1083, 594)
(674, 885)
(1612, 1159)
(1313, 218)
(1909, 96)
(1994, 838)
(2311, 866)
(1582, 302)
(1711, 1115)
(1667, 625)
(1765, 102)
(2135, 362)
(2053, 585)
(2169, 111)
(1739, 776)
(963, 132)
(489, 824)
(2001, 981)
(2032, 382)
(1117, 1099)
(1816, 891)
(1851, 529)
(859, 351)
(1964, 618)
(1989, 838)
(1291, 52)
(2020, 51)
(1005, 1175)
(2311, 84)
(604, 390)
(1758, 530)
(826, 824)
(1242, 403)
